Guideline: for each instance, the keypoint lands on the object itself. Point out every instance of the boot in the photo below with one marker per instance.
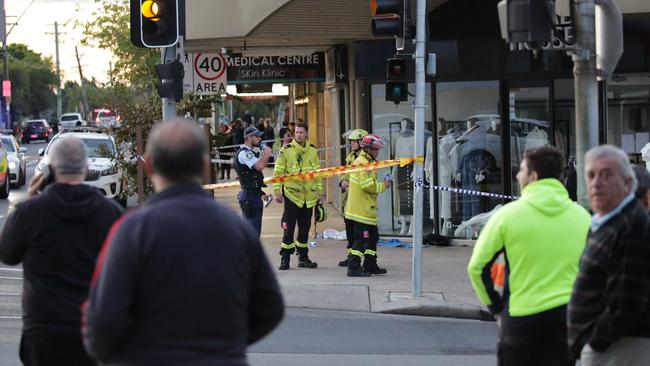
(284, 261)
(304, 262)
(354, 267)
(370, 266)
(344, 263)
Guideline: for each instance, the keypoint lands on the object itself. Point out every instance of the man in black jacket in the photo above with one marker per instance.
(57, 235)
(182, 281)
(609, 312)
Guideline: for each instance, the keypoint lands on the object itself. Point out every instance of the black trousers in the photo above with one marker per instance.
(364, 245)
(53, 350)
(535, 340)
(302, 217)
(349, 233)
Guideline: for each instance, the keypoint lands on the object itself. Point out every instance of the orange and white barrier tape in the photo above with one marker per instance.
(323, 173)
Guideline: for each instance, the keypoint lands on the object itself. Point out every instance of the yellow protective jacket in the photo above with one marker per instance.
(294, 158)
(362, 194)
(349, 160)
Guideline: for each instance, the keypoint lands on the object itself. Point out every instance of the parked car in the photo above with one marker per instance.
(107, 119)
(4, 173)
(71, 120)
(103, 171)
(36, 129)
(17, 160)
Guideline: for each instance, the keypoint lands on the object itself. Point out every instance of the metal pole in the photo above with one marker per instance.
(420, 108)
(586, 89)
(59, 100)
(168, 55)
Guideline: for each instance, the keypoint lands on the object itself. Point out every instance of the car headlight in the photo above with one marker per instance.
(12, 165)
(110, 171)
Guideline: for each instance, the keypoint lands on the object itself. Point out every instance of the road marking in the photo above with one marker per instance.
(9, 294)
(10, 317)
(10, 278)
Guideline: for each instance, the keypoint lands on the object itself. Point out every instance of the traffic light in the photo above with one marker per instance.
(173, 73)
(527, 20)
(154, 23)
(388, 18)
(396, 80)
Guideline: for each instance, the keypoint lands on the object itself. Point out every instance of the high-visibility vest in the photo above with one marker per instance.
(349, 160)
(295, 158)
(362, 197)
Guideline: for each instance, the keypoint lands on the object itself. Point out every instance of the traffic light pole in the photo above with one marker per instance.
(420, 108)
(586, 89)
(168, 55)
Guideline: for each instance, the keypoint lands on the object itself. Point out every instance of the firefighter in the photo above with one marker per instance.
(355, 138)
(249, 165)
(362, 209)
(299, 197)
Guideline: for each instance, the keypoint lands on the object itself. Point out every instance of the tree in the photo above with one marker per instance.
(33, 81)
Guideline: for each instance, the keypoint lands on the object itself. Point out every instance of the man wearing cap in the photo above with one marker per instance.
(249, 165)
(355, 138)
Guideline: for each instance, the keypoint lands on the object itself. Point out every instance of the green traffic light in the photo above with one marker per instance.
(397, 91)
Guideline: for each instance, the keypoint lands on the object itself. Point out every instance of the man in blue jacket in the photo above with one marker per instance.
(183, 280)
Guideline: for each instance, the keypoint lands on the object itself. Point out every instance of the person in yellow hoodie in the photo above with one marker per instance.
(362, 209)
(299, 197)
(542, 235)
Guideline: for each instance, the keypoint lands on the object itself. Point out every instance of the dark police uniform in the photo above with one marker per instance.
(251, 181)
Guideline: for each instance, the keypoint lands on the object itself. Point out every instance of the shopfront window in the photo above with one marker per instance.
(469, 154)
(530, 125)
(395, 124)
(628, 115)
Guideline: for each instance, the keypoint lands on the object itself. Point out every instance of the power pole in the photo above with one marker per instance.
(84, 96)
(168, 55)
(420, 108)
(5, 66)
(59, 100)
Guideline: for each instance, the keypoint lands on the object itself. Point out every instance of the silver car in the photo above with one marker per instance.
(17, 160)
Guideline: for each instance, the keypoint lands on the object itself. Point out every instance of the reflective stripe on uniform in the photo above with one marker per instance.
(356, 252)
(361, 219)
(288, 246)
(301, 245)
(370, 252)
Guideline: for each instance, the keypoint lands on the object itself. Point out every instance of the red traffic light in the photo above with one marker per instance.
(396, 69)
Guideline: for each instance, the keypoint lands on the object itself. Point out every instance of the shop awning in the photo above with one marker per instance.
(212, 24)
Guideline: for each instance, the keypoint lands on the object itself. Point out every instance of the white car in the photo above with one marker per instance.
(107, 119)
(103, 171)
(17, 160)
(71, 120)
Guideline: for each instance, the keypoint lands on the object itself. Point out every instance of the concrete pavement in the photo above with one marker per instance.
(447, 290)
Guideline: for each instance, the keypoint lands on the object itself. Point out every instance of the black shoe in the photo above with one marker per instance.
(306, 263)
(284, 263)
(344, 263)
(375, 270)
(358, 273)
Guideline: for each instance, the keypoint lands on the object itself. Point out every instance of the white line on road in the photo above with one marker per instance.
(10, 317)
(8, 294)
(11, 269)
(10, 278)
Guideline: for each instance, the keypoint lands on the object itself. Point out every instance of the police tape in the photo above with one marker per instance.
(465, 191)
(323, 173)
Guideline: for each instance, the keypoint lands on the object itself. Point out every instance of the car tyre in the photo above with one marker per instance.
(4, 192)
(22, 178)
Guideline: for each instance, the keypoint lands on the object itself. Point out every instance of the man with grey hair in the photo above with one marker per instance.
(609, 311)
(57, 235)
(184, 280)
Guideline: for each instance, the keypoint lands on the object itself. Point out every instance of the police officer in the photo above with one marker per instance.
(355, 138)
(362, 209)
(299, 197)
(249, 165)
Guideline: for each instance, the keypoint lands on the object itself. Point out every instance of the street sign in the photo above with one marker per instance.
(205, 73)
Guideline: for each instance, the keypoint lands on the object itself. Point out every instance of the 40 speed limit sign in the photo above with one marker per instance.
(208, 73)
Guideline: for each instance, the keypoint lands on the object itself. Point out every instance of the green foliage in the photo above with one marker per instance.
(33, 81)
(109, 30)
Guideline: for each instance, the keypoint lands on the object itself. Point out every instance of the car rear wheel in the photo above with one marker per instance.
(4, 192)
(21, 178)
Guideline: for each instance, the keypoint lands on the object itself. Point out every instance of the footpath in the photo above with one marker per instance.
(447, 291)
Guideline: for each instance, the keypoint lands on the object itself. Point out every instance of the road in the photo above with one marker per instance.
(305, 337)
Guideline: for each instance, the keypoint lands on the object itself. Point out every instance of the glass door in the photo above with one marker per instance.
(529, 112)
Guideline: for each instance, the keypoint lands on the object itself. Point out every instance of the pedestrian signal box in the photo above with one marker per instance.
(396, 80)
